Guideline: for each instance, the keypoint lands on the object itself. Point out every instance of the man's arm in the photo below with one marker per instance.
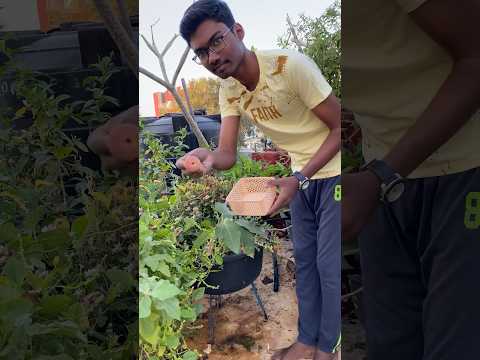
(225, 156)
(328, 111)
(454, 25)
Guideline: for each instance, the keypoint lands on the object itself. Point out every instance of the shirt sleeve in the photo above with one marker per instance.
(410, 5)
(307, 80)
(228, 105)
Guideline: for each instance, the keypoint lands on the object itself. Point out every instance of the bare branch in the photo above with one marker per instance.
(150, 46)
(187, 96)
(296, 40)
(188, 116)
(125, 18)
(180, 65)
(124, 43)
(169, 44)
(155, 78)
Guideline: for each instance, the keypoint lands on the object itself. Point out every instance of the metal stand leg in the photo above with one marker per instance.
(276, 273)
(259, 301)
(214, 302)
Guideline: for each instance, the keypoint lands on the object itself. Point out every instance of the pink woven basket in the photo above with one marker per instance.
(251, 196)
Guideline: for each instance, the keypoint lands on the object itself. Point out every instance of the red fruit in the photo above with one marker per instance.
(192, 164)
(123, 142)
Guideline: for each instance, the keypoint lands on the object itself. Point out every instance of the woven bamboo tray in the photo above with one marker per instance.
(251, 196)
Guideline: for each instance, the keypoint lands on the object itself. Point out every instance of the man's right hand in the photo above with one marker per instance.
(206, 158)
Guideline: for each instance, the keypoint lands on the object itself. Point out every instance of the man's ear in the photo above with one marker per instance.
(238, 29)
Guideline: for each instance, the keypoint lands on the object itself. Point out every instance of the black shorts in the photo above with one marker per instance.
(421, 272)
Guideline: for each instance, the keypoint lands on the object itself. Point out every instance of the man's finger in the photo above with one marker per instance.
(273, 183)
(277, 205)
(180, 164)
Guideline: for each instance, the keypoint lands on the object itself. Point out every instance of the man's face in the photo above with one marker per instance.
(223, 63)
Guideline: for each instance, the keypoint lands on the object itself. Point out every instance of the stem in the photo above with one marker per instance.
(119, 35)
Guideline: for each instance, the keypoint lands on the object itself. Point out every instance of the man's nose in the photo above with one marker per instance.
(213, 58)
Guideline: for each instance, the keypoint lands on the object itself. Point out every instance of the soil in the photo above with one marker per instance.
(241, 333)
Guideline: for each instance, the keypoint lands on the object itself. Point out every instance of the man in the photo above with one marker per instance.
(285, 95)
(411, 74)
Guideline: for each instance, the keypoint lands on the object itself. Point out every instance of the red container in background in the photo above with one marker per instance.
(272, 157)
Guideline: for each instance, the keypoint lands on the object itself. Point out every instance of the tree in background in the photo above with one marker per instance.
(203, 94)
(320, 40)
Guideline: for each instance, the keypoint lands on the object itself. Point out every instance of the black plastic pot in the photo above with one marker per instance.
(237, 273)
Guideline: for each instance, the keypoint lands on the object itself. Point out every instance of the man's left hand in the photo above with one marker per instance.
(288, 187)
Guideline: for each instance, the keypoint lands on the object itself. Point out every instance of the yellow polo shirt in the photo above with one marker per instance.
(391, 70)
(290, 85)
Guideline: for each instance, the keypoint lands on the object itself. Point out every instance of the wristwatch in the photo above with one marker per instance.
(392, 184)
(303, 181)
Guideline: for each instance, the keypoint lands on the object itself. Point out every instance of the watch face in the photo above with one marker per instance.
(304, 184)
(395, 192)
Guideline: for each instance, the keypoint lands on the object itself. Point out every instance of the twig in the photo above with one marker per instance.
(352, 293)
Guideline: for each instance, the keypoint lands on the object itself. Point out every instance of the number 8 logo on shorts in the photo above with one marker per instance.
(472, 213)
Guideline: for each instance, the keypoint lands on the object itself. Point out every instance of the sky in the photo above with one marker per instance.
(263, 21)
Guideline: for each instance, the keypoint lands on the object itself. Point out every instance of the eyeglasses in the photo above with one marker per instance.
(215, 46)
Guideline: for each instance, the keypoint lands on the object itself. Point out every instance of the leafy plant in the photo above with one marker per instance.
(185, 232)
(246, 167)
(68, 259)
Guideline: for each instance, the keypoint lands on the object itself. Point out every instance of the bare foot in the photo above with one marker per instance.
(296, 351)
(320, 355)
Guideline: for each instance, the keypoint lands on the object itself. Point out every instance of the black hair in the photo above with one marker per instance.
(202, 10)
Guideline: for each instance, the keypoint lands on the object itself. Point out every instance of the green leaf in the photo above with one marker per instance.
(17, 311)
(189, 223)
(144, 306)
(172, 341)
(251, 226)
(188, 314)
(15, 270)
(20, 112)
(198, 308)
(198, 294)
(67, 329)
(79, 226)
(164, 290)
(164, 269)
(63, 152)
(102, 198)
(149, 329)
(121, 278)
(201, 239)
(171, 307)
(248, 243)
(190, 355)
(53, 357)
(9, 233)
(81, 146)
(57, 239)
(230, 234)
(223, 209)
(53, 306)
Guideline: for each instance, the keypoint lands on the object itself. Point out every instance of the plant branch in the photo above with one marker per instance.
(120, 36)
